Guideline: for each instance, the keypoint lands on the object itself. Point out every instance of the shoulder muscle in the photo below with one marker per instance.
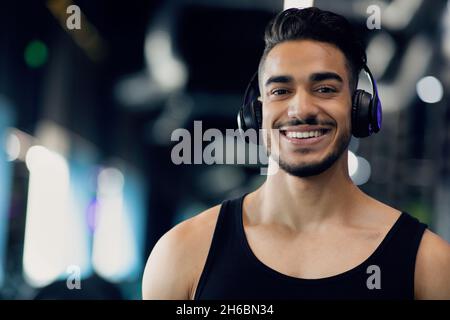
(432, 275)
(177, 257)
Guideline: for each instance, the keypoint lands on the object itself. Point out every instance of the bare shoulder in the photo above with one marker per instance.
(432, 270)
(432, 274)
(178, 257)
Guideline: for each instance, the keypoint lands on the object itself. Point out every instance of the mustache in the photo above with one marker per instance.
(297, 122)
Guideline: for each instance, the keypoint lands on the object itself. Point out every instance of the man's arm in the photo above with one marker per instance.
(166, 274)
(177, 260)
(432, 275)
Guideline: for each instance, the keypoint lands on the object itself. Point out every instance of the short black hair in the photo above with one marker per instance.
(319, 25)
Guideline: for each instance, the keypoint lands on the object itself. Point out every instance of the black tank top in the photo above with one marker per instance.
(232, 271)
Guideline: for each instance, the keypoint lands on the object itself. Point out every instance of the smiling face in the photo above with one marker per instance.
(306, 95)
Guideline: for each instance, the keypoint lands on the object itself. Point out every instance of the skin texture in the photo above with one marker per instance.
(297, 223)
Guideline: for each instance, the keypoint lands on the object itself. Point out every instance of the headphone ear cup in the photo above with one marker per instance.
(257, 110)
(250, 117)
(250, 114)
(375, 115)
(361, 113)
(247, 116)
(240, 119)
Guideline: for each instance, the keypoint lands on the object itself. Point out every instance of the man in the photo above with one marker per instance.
(308, 232)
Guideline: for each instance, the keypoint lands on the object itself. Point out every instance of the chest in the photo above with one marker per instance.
(312, 255)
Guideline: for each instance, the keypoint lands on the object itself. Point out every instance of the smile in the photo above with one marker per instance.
(305, 137)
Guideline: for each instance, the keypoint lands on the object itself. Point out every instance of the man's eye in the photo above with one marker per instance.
(278, 92)
(326, 90)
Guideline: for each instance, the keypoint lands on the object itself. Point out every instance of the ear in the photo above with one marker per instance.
(260, 99)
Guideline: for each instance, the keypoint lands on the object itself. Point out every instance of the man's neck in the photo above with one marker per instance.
(306, 203)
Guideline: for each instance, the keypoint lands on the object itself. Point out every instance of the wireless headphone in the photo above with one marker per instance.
(366, 109)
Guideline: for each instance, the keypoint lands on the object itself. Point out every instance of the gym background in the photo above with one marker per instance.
(87, 185)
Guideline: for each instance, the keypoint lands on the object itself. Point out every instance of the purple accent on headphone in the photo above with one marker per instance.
(378, 104)
(379, 113)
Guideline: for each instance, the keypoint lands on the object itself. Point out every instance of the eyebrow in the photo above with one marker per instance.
(321, 76)
(315, 77)
(279, 79)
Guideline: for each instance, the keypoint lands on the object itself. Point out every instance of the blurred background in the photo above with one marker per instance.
(87, 185)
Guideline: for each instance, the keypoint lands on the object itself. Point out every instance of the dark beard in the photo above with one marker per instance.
(313, 169)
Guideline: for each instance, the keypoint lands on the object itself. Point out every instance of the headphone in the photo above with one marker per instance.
(366, 109)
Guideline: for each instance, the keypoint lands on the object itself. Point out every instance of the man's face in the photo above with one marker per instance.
(306, 95)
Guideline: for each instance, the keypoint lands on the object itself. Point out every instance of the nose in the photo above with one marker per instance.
(301, 106)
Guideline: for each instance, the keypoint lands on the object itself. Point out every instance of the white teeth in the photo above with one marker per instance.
(303, 135)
